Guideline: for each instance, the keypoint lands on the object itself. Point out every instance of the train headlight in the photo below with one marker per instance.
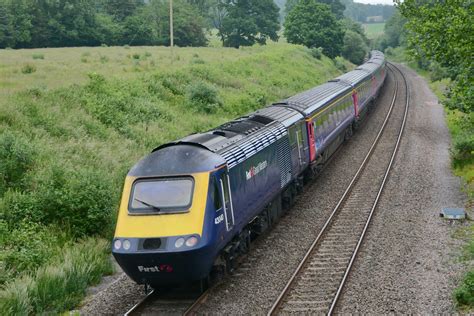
(192, 241)
(117, 244)
(179, 242)
(126, 244)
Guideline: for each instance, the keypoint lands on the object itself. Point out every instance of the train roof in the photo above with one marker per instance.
(353, 77)
(237, 140)
(309, 101)
(177, 160)
(284, 115)
(370, 67)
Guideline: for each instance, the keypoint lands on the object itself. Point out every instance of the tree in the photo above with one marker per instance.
(395, 30)
(336, 6)
(355, 27)
(247, 22)
(442, 31)
(312, 24)
(121, 9)
(354, 49)
(150, 25)
(6, 27)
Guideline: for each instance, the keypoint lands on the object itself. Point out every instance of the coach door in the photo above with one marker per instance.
(226, 195)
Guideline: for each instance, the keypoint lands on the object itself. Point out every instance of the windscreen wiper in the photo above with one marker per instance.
(156, 208)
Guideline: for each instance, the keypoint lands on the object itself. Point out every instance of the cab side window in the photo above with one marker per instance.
(226, 187)
(216, 197)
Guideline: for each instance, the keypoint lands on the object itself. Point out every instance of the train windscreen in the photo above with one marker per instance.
(161, 195)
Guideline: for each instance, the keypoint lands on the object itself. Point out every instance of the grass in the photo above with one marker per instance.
(461, 128)
(374, 30)
(71, 130)
(60, 285)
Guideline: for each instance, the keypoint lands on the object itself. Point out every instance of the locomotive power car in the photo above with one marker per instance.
(194, 205)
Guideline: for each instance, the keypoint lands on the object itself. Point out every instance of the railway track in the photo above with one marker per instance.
(181, 301)
(319, 279)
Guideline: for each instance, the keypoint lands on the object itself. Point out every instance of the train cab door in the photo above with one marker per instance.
(226, 197)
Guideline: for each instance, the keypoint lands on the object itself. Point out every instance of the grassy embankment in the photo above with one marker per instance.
(461, 127)
(73, 121)
(373, 30)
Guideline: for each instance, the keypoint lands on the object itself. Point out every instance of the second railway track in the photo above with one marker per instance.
(319, 279)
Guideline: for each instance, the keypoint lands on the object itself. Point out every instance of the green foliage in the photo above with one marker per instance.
(440, 31)
(337, 8)
(28, 69)
(312, 24)
(356, 27)
(27, 246)
(77, 199)
(317, 52)
(38, 56)
(340, 63)
(354, 48)
(61, 285)
(464, 294)
(248, 22)
(394, 32)
(17, 157)
(29, 23)
(203, 96)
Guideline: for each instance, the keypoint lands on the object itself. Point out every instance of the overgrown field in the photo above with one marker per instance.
(73, 121)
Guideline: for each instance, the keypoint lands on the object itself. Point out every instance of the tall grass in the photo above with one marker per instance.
(60, 285)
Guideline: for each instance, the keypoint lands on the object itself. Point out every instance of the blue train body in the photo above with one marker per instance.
(195, 204)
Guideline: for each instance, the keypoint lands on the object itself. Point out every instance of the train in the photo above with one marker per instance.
(192, 207)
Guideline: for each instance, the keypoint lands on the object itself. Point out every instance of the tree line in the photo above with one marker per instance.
(318, 24)
(66, 23)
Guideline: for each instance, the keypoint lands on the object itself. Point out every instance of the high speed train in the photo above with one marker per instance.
(192, 206)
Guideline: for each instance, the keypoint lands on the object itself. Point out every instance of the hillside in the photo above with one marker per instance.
(74, 120)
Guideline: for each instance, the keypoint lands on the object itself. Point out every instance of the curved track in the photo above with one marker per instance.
(318, 281)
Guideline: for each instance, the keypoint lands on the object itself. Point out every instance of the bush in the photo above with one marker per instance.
(27, 247)
(464, 294)
(17, 158)
(203, 96)
(118, 105)
(136, 56)
(463, 148)
(389, 51)
(38, 56)
(197, 61)
(317, 52)
(339, 63)
(60, 285)
(104, 59)
(28, 69)
(437, 72)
